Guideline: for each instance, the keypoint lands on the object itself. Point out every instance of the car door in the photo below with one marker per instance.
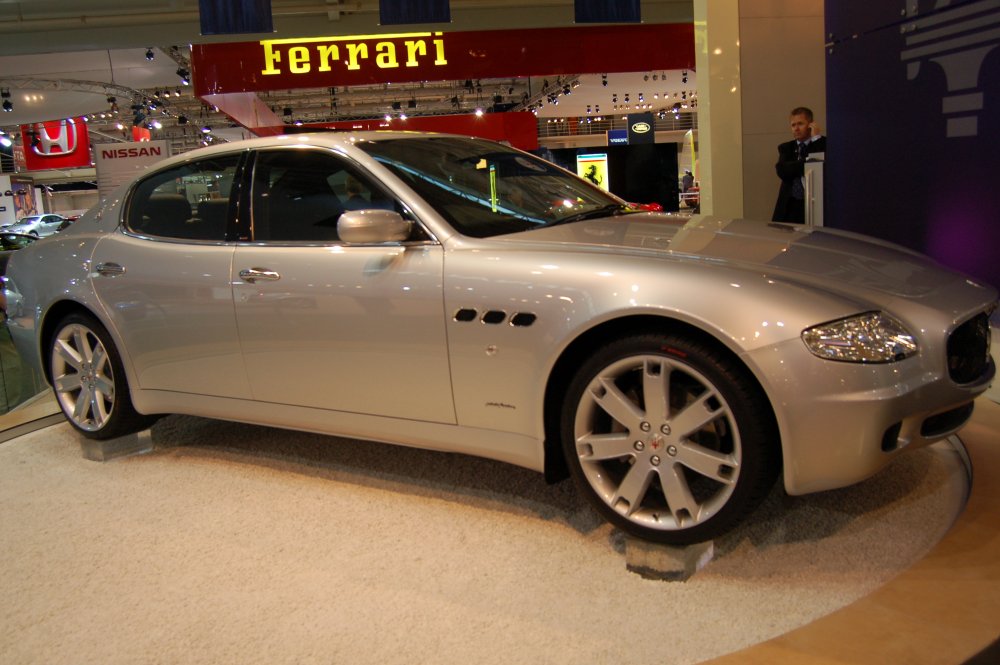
(335, 326)
(164, 281)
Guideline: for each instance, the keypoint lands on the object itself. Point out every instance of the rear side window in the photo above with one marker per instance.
(188, 202)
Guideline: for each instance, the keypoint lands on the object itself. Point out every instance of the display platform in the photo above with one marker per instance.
(234, 543)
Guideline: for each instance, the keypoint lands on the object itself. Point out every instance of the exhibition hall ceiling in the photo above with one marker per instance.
(58, 60)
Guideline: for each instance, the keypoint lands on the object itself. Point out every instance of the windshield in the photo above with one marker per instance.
(29, 219)
(485, 189)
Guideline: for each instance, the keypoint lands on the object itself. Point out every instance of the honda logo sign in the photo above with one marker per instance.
(63, 142)
(58, 144)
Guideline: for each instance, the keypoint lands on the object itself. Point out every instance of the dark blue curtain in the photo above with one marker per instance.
(231, 17)
(396, 12)
(608, 11)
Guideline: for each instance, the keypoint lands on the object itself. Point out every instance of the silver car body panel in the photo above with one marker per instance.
(449, 344)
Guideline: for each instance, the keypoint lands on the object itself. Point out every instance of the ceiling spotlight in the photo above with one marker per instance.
(7, 106)
(402, 116)
(604, 80)
(388, 118)
(645, 77)
(479, 113)
(396, 106)
(182, 120)
(206, 129)
(684, 76)
(149, 53)
(412, 104)
(185, 75)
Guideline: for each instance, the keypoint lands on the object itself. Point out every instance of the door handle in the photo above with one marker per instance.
(109, 269)
(251, 275)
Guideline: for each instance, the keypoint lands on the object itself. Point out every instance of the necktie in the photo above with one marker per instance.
(798, 190)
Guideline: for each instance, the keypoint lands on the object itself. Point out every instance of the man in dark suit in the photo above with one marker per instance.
(790, 167)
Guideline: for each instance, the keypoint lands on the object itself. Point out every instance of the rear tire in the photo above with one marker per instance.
(668, 438)
(88, 377)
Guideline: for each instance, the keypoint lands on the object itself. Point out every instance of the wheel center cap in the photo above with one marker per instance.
(656, 442)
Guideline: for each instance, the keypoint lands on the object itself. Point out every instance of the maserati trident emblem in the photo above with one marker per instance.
(957, 38)
(63, 143)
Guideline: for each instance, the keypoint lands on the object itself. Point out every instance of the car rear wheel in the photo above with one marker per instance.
(668, 438)
(88, 377)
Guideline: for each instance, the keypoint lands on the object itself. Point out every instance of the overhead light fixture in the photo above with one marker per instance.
(8, 106)
(185, 75)
(604, 80)
(182, 120)
(684, 76)
(206, 129)
(479, 113)
(412, 104)
(149, 53)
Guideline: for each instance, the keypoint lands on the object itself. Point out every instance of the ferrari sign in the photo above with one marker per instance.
(301, 56)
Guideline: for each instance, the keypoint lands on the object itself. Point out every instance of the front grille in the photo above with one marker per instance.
(969, 350)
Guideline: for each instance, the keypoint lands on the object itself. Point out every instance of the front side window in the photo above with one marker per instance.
(486, 189)
(300, 194)
(188, 202)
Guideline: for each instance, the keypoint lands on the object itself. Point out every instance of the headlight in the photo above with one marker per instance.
(872, 337)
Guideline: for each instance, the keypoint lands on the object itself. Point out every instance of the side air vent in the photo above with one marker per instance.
(465, 315)
(494, 316)
(522, 319)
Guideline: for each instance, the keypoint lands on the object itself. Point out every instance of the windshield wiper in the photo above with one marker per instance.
(610, 210)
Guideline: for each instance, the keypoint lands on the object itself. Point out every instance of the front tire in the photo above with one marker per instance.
(668, 438)
(88, 377)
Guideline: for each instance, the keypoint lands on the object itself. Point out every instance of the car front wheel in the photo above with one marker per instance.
(88, 377)
(668, 438)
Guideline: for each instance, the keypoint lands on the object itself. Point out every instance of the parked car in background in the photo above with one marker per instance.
(36, 225)
(674, 366)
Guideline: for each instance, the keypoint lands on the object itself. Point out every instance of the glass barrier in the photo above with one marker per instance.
(24, 395)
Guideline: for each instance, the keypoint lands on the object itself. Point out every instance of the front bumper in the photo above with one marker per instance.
(841, 423)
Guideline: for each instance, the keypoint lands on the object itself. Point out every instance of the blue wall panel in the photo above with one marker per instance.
(913, 146)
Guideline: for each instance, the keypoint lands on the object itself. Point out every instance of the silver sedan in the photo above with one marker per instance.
(456, 294)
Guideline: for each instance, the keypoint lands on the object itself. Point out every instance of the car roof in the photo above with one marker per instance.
(332, 139)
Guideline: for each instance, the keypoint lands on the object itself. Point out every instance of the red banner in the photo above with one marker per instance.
(520, 129)
(57, 144)
(316, 62)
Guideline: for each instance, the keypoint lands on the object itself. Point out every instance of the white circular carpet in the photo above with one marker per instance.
(231, 543)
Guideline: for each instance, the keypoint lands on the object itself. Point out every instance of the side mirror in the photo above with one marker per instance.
(372, 227)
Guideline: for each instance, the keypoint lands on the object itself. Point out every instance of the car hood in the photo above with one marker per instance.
(833, 260)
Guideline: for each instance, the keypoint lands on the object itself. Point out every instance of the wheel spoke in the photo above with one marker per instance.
(99, 408)
(83, 402)
(607, 395)
(68, 354)
(83, 345)
(695, 415)
(633, 487)
(709, 463)
(655, 389)
(67, 383)
(597, 447)
(679, 498)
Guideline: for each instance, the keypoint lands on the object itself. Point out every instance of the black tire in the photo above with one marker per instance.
(88, 377)
(680, 473)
